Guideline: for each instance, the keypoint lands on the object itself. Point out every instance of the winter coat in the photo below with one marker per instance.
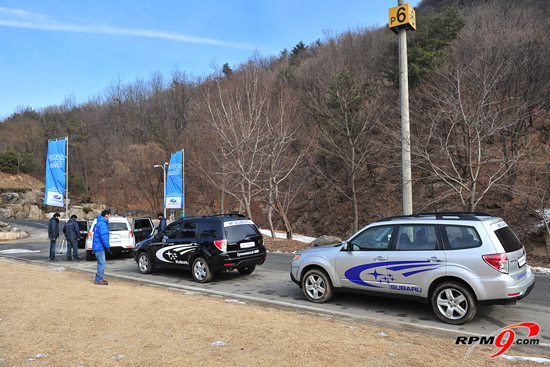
(101, 235)
(162, 224)
(53, 228)
(72, 230)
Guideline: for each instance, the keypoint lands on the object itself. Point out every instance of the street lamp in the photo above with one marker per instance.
(164, 175)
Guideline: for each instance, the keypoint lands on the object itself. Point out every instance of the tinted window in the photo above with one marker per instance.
(239, 232)
(172, 230)
(189, 230)
(117, 226)
(416, 237)
(82, 225)
(372, 239)
(460, 237)
(508, 239)
(208, 230)
(142, 223)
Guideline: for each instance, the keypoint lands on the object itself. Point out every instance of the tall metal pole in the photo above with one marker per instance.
(183, 180)
(67, 179)
(164, 198)
(406, 176)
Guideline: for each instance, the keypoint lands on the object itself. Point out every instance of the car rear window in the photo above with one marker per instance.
(117, 226)
(508, 239)
(240, 230)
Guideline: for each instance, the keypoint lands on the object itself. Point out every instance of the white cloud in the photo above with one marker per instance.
(18, 18)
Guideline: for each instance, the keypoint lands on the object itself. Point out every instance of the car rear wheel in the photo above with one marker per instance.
(316, 286)
(247, 270)
(145, 265)
(453, 303)
(201, 270)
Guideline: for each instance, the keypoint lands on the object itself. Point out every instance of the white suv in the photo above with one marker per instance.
(454, 261)
(121, 237)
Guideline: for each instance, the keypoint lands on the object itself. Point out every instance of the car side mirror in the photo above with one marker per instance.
(345, 246)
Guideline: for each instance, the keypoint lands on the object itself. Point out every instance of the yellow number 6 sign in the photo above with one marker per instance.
(402, 16)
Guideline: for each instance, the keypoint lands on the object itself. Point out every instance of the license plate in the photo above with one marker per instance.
(247, 244)
(522, 261)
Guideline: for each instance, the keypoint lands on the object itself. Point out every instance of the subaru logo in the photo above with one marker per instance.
(173, 200)
(57, 197)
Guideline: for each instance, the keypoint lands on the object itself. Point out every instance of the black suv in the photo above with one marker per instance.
(205, 245)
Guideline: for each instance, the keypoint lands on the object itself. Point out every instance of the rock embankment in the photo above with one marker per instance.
(10, 232)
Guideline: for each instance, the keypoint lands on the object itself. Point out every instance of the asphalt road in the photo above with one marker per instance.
(271, 284)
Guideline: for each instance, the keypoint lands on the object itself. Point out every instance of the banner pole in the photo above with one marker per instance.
(183, 180)
(67, 179)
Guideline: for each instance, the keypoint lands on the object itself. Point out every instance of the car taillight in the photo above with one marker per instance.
(497, 261)
(221, 245)
(89, 234)
(131, 233)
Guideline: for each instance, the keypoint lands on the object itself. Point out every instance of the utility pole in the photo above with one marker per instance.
(402, 18)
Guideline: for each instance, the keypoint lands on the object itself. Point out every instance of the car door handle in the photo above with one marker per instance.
(379, 258)
(434, 259)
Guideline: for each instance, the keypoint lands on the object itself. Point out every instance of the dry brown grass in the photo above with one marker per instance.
(64, 315)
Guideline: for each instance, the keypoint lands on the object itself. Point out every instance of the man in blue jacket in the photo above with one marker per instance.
(53, 234)
(162, 222)
(100, 244)
(72, 234)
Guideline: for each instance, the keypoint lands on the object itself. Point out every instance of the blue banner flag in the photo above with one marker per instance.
(174, 182)
(55, 173)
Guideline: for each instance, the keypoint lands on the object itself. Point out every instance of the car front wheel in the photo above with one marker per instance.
(316, 286)
(453, 303)
(145, 265)
(201, 270)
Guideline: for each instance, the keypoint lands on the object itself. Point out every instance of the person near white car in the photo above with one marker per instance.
(101, 244)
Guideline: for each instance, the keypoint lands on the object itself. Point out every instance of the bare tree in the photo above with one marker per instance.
(235, 108)
(461, 135)
(345, 115)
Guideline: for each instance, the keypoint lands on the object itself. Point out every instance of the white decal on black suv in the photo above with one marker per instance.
(171, 253)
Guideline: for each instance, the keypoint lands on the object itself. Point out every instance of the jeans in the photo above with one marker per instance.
(52, 249)
(72, 245)
(100, 256)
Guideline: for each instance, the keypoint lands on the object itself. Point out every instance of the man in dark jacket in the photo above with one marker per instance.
(162, 222)
(101, 244)
(72, 234)
(53, 234)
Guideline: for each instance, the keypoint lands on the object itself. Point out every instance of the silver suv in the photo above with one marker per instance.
(454, 261)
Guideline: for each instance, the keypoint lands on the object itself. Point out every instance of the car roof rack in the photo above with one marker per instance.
(441, 215)
(228, 215)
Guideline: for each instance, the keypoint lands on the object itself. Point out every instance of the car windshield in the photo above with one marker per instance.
(117, 226)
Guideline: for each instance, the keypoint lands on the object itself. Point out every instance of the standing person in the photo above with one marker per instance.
(53, 234)
(162, 223)
(72, 234)
(100, 244)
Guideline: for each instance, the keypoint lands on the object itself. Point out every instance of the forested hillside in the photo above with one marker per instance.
(309, 139)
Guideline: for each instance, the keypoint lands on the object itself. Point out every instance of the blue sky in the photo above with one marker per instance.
(55, 50)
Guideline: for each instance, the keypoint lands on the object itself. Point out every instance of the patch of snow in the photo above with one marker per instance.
(235, 301)
(56, 268)
(381, 333)
(17, 251)
(540, 270)
(41, 355)
(348, 326)
(297, 237)
(218, 344)
(530, 359)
